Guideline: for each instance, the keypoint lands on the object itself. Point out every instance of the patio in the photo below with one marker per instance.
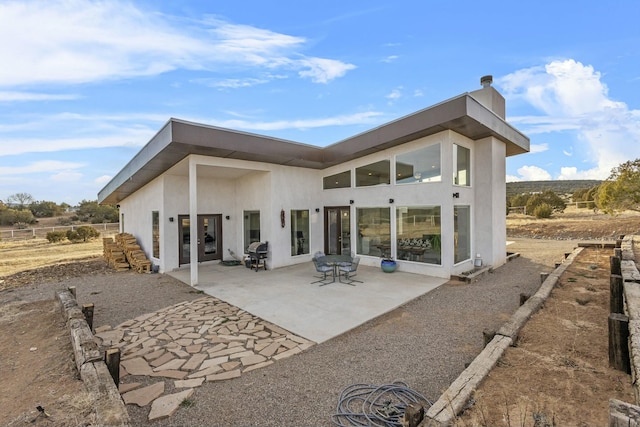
(287, 298)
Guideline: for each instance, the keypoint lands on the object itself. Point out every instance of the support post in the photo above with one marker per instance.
(112, 360)
(615, 264)
(72, 289)
(87, 310)
(616, 294)
(543, 277)
(619, 342)
(523, 298)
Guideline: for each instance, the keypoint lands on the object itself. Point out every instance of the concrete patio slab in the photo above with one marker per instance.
(287, 298)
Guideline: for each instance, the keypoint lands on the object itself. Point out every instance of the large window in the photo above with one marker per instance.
(299, 232)
(461, 233)
(421, 165)
(155, 233)
(461, 165)
(251, 227)
(373, 174)
(418, 234)
(339, 180)
(374, 232)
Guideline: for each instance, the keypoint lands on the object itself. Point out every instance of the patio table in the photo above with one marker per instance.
(335, 261)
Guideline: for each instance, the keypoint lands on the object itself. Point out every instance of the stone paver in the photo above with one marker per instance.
(190, 342)
(166, 406)
(145, 395)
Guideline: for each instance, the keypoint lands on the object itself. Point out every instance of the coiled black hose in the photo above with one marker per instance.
(380, 406)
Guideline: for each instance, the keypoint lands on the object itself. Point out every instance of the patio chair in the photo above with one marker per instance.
(348, 271)
(324, 269)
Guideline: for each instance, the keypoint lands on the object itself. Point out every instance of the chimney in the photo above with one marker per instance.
(489, 96)
(486, 81)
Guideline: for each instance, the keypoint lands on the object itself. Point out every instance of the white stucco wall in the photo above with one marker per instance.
(230, 187)
(137, 210)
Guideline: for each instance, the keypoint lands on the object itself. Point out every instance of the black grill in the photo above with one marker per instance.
(257, 254)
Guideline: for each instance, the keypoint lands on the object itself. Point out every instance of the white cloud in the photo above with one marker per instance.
(395, 94)
(103, 180)
(230, 83)
(346, 120)
(534, 173)
(74, 41)
(40, 167)
(322, 70)
(66, 176)
(7, 96)
(538, 148)
(512, 178)
(390, 58)
(575, 100)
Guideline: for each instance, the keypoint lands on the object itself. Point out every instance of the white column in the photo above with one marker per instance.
(193, 220)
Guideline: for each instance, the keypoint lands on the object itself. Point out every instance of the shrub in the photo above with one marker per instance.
(543, 210)
(83, 234)
(56, 236)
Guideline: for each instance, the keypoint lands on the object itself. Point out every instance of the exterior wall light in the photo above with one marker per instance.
(391, 200)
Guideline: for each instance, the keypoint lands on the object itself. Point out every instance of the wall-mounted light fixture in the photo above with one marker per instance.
(391, 200)
(317, 210)
(227, 217)
(456, 195)
(351, 202)
(170, 219)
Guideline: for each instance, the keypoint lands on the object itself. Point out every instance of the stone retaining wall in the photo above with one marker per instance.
(109, 407)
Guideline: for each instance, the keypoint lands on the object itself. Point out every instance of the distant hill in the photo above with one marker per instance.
(560, 187)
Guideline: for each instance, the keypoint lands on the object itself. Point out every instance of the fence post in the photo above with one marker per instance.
(112, 359)
(616, 298)
(87, 310)
(616, 267)
(619, 342)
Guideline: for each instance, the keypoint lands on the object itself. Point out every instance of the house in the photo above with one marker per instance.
(427, 189)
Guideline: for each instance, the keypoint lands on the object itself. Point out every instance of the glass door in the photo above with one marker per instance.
(337, 238)
(209, 238)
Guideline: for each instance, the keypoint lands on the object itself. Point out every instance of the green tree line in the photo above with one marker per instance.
(619, 192)
(22, 210)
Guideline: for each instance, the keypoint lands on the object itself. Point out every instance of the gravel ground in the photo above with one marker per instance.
(425, 343)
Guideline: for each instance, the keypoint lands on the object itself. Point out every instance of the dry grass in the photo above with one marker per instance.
(35, 253)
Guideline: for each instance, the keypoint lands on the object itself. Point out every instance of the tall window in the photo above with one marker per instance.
(461, 233)
(418, 234)
(461, 165)
(251, 227)
(374, 232)
(373, 174)
(421, 165)
(339, 180)
(155, 233)
(299, 232)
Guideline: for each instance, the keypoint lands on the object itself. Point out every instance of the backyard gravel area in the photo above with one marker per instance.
(425, 343)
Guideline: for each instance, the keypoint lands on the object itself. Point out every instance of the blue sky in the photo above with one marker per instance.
(85, 84)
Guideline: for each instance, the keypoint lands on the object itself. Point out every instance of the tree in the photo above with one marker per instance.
(45, 209)
(621, 191)
(532, 200)
(21, 200)
(91, 211)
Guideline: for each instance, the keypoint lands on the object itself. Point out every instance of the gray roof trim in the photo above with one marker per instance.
(178, 139)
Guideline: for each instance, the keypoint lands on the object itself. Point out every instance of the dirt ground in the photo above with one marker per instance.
(558, 372)
(36, 363)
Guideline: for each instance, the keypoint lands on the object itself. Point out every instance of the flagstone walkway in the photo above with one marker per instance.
(184, 345)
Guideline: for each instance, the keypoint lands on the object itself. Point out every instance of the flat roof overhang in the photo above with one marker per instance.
(177, 139)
